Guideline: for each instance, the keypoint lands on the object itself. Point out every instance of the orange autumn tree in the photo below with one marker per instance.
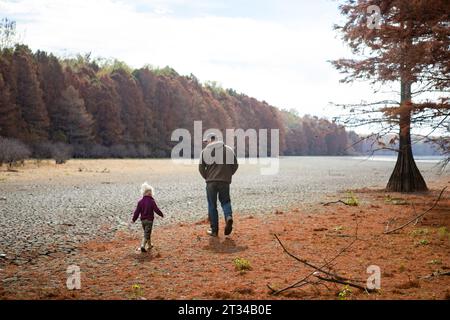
(405, 42)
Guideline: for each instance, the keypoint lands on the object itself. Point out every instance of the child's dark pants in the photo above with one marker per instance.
(147, 225)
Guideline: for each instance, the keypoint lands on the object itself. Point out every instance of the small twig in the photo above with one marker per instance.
(388, 223)
(436, 274)
(347, 283)
(415, 213)
(338, 201)
(419, 216)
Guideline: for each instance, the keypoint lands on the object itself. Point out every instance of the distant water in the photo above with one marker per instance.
(393, 158)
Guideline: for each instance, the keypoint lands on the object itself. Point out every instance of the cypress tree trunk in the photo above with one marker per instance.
(406, 177)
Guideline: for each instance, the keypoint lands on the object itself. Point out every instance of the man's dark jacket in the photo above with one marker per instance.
(218, 171)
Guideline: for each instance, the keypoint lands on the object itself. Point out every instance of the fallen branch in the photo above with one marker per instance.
(313, 266)
(416, 218)
(331, 277)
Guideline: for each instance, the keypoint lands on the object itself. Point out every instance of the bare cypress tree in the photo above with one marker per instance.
(405, 42)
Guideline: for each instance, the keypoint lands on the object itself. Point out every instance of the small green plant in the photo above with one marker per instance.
(402, 268)
(136, 291)
(419, 232)
(443, 233)
(242, 264)
(352, 200)
(345, 293)
(338, 228)
(423, 242)
(435, 261)
(395, 201)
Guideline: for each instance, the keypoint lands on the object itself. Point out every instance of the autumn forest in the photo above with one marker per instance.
(105, 109)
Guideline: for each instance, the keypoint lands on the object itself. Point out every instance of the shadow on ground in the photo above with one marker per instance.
(148, 256)
(228, 245)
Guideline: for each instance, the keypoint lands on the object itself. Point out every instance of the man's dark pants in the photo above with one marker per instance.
(222, 190)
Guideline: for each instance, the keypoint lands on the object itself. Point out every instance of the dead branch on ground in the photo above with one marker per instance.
(418, 217)
(322, 272)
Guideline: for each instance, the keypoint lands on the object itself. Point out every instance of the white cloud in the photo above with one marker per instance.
(284, 63)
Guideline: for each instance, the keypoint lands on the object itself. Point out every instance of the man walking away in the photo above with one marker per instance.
(218, 164)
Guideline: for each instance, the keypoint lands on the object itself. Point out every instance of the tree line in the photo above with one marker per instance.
(103, 108)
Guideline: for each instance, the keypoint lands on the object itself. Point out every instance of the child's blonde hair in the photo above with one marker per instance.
(147, 189)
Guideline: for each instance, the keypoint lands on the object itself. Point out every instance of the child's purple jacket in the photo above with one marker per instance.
(146, 208)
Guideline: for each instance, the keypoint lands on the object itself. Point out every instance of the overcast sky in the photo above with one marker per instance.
(276, 51)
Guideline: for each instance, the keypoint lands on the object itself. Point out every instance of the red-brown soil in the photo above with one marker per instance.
(187, 264)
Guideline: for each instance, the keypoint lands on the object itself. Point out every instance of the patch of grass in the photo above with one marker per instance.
(419, 232)
(136, 291)
(435, 261)
(352, 200)
(242, 264)
(338, 228)
(395, 201)
(443, 233)
(423, 242)
(345, 293)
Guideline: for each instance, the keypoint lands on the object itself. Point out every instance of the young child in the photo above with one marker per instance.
(145, 209)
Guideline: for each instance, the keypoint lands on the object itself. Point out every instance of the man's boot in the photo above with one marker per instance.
(229, 226)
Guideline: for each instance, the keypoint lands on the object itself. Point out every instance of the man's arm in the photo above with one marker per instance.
(202, 166)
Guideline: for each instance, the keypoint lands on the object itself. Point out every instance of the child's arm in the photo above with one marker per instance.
(156, 209)
(137, 212)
